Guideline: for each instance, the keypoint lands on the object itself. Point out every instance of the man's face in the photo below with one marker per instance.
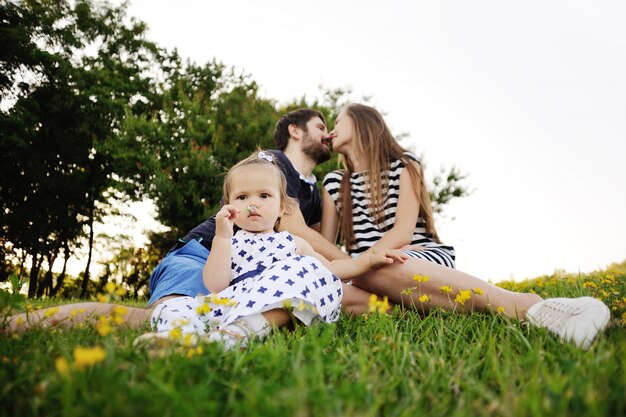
(313, 145)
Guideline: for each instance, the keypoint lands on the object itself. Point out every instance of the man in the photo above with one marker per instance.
(301, 137)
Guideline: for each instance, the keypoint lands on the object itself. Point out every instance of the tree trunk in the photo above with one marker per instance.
(61, 277)
(83, 293)
(34, 275)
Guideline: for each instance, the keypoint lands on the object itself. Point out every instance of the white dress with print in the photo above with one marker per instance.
(266, 274)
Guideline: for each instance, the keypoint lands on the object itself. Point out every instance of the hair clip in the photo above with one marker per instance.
(267, 156)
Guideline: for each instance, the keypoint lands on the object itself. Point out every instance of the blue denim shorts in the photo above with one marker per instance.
(180, 272)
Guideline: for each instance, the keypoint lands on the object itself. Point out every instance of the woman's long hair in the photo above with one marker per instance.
(377, 146)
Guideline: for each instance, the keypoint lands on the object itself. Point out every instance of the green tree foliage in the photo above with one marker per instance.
(208, 118)
(70, 71)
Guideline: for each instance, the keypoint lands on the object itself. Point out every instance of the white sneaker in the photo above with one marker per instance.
(577, 320)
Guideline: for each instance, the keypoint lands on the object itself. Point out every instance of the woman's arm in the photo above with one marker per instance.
(294, 223)
(216, 273)
(330, 217)
(347, 269)
(407, 213)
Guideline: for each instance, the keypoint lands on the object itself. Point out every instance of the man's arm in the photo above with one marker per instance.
(294, 223)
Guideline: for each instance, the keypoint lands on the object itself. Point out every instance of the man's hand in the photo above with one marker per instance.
(224, 221)
(386, 257)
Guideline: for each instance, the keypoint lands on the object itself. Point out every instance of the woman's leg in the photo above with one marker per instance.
(577, 320)
(396, 281)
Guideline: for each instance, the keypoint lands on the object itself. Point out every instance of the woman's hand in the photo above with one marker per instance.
(386, 257)
(224, 221)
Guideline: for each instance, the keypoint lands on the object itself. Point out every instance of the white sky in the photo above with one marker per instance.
(528, 98)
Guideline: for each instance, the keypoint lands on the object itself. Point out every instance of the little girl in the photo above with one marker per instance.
(260, 277)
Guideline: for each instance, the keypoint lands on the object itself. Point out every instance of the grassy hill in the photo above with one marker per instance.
(398, 364)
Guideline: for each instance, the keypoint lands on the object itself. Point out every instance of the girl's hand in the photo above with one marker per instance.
(386, 257)
(224, 221)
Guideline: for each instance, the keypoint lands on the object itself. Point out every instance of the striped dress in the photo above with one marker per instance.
(367, 232)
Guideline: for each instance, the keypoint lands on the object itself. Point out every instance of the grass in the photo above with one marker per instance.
(380, 365)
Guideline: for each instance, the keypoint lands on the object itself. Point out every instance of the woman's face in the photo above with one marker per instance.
(343, 133)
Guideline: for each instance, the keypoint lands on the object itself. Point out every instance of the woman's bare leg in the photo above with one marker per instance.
(396, 281)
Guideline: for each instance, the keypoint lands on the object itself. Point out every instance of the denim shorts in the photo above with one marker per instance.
(180, 272)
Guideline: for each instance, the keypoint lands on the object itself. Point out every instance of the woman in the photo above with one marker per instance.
(379, 202)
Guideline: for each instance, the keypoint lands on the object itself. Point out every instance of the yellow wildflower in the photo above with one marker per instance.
(500, 309)
(81, 310)
(103, 327)
(408, 291)
(446, 289)
(120, 292)
(203, 309)
(589, 284)
(376, 306)
(424, 298)
(478, 291)
(103, 298)
(110, 287)
(176, 333)
(63, 366)
(86, 357)
(420, 278)
(463, 296)
(73, 312)
(51, 312)
(19, 320)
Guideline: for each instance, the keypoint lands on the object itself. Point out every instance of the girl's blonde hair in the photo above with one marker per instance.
(262, 159)
(378, 147)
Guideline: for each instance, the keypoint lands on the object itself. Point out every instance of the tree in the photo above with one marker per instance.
(56, 158)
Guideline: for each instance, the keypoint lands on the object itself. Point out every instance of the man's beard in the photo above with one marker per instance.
(314, 150)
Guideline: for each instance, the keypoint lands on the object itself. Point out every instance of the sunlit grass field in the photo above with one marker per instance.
(398, 364)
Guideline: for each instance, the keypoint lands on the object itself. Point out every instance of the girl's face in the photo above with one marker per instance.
(343, 133)
(255, 192)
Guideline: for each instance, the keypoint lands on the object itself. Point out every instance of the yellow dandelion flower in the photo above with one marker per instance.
(425, 278)
(87, 357)
(373, 303)
(176, 333)
(110, 287)
(102, 298)
(120, 311)
(81, 310)
(500, 310)
(188, 340)
(478, 291)
(120, 292)
(204, 309)
(19, 320)
(424, 298)
(73, 313)
(103, 327)
(407, 291)
(417, 278)
(463, 296)
(51, 312)
(63, 366)
(384, 306)
(589, 284)
(446, 289)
